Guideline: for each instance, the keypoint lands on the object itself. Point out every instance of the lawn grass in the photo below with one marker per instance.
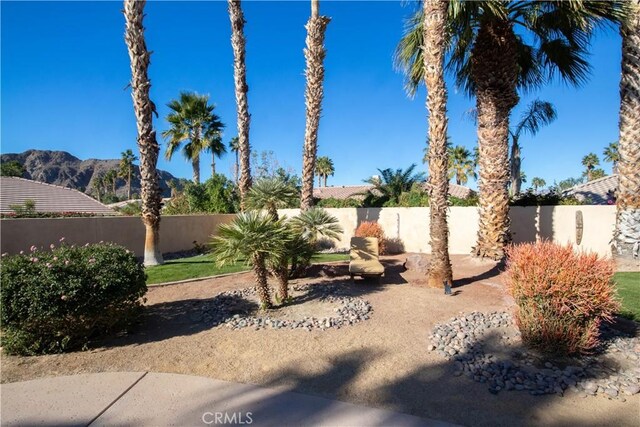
(203, 266)
(628, 285)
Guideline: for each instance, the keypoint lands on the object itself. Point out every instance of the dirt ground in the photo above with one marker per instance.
(381, 362)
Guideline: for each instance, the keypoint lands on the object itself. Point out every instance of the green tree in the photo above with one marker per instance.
(97, 185)
(195, 127)
(12, 168)
(390, 184)
(590, 161)
(126, 168)
(271, 194)
(612, 155)
(492, 61)
(460, 164)
(537, 183)
(324, 168)
(256, 238)
(234, 146)
(111, 178)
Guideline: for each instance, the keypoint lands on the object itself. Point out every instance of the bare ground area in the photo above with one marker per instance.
(380, 362)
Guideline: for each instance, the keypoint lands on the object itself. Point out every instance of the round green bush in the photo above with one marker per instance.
(60, 299)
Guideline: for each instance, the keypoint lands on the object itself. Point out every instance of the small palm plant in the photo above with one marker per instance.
(255, 237)
(271, 194)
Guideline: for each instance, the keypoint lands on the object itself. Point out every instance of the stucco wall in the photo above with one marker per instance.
(411, 225)
(408, 226)
(176, 232)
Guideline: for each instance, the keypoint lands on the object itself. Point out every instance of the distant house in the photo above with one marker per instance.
(600, 191)
(356, 191)
(47, 197)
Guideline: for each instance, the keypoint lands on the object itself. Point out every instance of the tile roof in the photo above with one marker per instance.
(346, 191)
(48, 198)
(599, 191)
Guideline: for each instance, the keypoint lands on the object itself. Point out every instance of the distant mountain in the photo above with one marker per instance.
(61, 168)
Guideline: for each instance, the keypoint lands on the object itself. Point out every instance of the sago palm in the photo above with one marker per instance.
(147, 144)
(256, 238)
(314, 54)
(271, 194)
(238, 44)
(491, 61)
(460, 164)
(590, 161)
(627, 234)
(194, 127)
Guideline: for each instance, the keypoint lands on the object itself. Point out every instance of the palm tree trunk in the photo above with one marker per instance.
(627, 233)
(262, 289)
(325, 180)
(195, 165)
(435, 12)
(282, 274)
(494, 70)
(319, 180)
(314, 55)
(240, 78)
(147, 143)
(213, 165)
(129, 184)
(236, 171)
(515, 162)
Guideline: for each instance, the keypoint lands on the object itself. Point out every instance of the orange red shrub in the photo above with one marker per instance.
(373, 229)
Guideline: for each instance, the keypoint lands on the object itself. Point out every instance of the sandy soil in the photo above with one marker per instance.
(381, 362)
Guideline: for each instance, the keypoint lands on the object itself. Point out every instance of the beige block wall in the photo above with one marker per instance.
(528, 224)
(177, 233)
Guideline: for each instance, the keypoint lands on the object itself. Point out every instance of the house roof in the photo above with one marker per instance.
(599, 191)
(355, 191)
(47, 197)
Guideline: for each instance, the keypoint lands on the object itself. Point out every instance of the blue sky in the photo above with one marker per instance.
(65, 68)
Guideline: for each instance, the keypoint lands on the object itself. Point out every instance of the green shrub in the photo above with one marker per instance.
(471, 200)
(529, 198)
(332, 202)
(58, 300)
(562, 296)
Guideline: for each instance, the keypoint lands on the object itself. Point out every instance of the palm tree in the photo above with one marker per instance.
(491, 62)
(126, 168)
(271, 194)
(194, 123)
(238, 44)
(97, 184)
(537, 183)
(612, 154)
(433, 53)
(111, 177)
(314, 55)
(460, 164)
(256, 238)
(324, 168)
(234, 146)
(590, 161)
(316, 222)
(390, 184)
(147, 143)
(538, 114)
(627, 234)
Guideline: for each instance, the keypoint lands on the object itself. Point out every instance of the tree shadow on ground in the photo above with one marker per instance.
(494, 271)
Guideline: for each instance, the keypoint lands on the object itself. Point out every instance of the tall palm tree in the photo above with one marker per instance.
(324, 168)
(126, 168)
(390, 184)
(433, 53)
(194, 124)
(460, 164)
(111, 177)
(538, 114)
(314, 55)
(97, 184)
(238, 43)
(234, 146)
(612, 154)
(147, 143)
(590, 161)
(256, 238)
(491, 62)
(537, 183)
(627, 234)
